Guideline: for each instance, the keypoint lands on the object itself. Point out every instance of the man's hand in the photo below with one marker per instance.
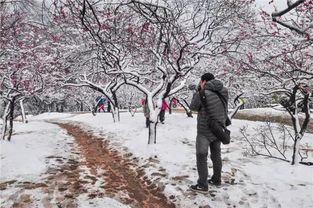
(202, 84)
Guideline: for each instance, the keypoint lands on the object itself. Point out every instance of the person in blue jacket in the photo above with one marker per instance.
(101, 103)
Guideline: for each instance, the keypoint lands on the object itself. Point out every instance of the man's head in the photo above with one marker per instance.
(207, 77)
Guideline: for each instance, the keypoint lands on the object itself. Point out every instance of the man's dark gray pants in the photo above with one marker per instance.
(202, 146)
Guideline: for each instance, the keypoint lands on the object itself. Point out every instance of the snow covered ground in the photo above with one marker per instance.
(247, 181)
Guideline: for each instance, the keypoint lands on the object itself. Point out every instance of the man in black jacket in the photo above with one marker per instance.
(205, 138)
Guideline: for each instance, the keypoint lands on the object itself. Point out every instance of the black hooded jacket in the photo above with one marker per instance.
(215, 107)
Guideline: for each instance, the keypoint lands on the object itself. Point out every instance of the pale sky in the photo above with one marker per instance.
(264, 4)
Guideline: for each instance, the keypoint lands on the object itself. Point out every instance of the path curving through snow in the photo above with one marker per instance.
(121, 176)
(90, 174)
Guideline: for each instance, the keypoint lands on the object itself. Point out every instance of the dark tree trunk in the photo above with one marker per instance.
(11, 117)
(116, 107)
(81, 106)
(185, 105)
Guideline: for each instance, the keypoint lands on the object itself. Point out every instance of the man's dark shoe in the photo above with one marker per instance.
(199, 188)
(215, 183)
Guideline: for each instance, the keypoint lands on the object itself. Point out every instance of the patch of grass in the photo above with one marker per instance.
(283, 119)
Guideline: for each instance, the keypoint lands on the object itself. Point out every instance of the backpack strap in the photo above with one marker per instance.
(223, 99)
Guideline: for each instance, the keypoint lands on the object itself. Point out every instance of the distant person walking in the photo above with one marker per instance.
(162, 112)
(100, 103)
(174, 102)
(211, 88)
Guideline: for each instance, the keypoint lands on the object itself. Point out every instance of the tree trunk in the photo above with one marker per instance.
(115, 113)
(115, 105)
(11, 117)
(152, 132)
(299, 130)
(153, 118)
(53, 107)
(5, 120)
(109, 107)
(296, 126)
(24, 119)
(295, 153)
(185, 105)
(81, 106)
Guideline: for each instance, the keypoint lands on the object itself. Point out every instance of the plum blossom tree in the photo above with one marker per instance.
(22, 58)
(155, 45)
(282, 59)
(301, 22)
(78, 55)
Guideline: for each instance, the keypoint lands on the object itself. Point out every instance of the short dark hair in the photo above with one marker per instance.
(207, 77)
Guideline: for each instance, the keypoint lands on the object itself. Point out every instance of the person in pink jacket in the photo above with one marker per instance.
(162, 112)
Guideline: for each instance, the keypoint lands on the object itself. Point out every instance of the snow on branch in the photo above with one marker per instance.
(154, 12)
(288, 9)
(295, 28)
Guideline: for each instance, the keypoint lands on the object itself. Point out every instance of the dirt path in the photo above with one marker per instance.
(121, 175)
(94, 170)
